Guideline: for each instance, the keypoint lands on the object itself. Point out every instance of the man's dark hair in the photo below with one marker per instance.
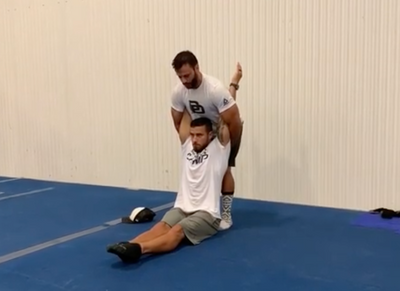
(183, 58)
(202, 121)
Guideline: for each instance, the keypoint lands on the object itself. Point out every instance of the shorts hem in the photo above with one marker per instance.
(191, 240)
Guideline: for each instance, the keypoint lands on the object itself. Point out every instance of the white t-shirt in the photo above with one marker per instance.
(201, 177)
(209, 100)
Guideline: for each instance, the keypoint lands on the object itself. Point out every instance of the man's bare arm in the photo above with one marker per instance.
(223, 134)
(231, 117)
(177, 118)
(181, 123)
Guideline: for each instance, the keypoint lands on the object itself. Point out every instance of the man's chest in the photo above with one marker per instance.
(197, 160)
(201, 105)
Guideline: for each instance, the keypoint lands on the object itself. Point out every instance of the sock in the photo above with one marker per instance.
(226, 222)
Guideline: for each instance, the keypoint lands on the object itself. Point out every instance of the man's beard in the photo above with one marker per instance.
(194, 84)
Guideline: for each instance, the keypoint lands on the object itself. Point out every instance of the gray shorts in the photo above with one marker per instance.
(197, 226)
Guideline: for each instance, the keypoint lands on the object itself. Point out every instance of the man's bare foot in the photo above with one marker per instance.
(237, 75)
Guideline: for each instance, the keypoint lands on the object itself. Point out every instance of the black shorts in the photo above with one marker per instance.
(235, 150)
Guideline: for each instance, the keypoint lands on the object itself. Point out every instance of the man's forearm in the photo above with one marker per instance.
(177, 126)
(177, 119)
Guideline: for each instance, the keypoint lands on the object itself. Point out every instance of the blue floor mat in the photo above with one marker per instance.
(271, 246)
(34, 219)
(376, 221)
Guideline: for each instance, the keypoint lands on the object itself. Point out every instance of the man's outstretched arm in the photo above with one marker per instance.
(231, 117)
(235, 80)
(223, 134)
(184, 129)
(177, 108)
(229, 111)
(177, 118)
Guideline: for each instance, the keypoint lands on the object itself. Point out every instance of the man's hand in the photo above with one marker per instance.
(231, 117)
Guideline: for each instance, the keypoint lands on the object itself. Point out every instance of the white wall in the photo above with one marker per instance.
(84, 93)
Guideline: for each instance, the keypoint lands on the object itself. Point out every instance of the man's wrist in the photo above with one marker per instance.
(234, 85)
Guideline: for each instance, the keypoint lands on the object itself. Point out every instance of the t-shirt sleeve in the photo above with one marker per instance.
(223, 99)
(177, 102)
(223, 151)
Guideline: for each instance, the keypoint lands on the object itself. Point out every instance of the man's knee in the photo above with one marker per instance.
(199, 226)
(161, 226)
(177, 232)
(173, 217)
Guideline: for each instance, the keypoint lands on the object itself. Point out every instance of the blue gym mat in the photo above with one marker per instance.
(376, 221)
(56, 239)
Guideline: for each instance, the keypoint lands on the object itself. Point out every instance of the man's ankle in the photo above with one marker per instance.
(226, 215)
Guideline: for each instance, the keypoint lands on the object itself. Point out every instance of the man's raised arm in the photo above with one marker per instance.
(177, 118)
(177, 108)
(231, 117)
(229, 113)
(223, 134)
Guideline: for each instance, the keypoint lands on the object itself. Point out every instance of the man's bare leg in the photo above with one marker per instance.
(228, 183)
(164, 243)
(132, 250)
(156, 231)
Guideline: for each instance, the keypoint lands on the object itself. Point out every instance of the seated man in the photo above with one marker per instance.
(196, 213)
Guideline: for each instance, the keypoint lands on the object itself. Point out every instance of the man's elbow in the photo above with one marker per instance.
(232, 120)
(177, 126)
(234, 124)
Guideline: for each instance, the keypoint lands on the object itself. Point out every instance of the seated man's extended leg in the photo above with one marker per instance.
(157, 230)
(170, 219)
(195, 228)
(199, 226)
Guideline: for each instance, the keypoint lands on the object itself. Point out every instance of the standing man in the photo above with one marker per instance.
(200, 95)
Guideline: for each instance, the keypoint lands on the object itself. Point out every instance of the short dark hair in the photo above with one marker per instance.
(182, 58)
(202, 121)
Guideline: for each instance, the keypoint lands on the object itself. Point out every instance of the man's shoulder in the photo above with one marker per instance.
(217, 92)
(215, 147)
(179, 88)
(213, 83)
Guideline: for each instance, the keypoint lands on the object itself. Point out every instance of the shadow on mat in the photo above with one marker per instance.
(250, 219)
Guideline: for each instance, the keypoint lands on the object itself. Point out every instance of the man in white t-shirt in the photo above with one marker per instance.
(196, 213)
(201, 95)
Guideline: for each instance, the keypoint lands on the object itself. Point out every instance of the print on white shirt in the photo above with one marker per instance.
(201, 177)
